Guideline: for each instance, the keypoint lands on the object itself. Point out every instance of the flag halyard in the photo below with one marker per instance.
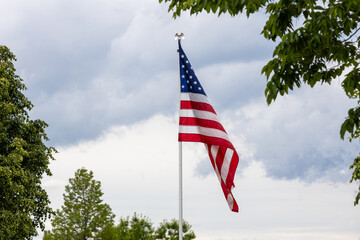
(199, 123)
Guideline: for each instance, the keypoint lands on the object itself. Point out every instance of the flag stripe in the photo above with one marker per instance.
(226, 164)
(214, 152)
(195, 97)
(190, 113)
(187, 137)
(231, 174)
(196, 106)
(211, 132)
(201, 122)
(219, 160)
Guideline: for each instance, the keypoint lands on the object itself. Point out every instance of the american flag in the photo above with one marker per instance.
(199, 123)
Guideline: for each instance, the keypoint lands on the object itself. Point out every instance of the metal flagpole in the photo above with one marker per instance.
(180, 193)
(179, 37)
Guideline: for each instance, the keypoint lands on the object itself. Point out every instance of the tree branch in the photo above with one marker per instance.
(351, 35)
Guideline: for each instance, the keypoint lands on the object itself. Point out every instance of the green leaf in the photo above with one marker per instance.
(343, 129)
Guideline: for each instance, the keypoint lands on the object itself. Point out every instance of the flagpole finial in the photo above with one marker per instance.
(180, 36)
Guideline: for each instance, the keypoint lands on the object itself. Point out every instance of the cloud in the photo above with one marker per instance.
(232, 85)
(137, 165)
(87, 65)
(297, 136)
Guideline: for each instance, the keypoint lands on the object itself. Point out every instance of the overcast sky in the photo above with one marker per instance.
(104, 76)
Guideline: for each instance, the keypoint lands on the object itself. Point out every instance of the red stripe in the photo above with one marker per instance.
(232, 169)
(201, 122)
(196, 106)
(190, 137)
(220, 158)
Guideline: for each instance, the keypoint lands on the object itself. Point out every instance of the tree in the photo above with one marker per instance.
(24, 158)
(170, 230)
(136, 228)
(323, 46)
(140, 227)
(83, 215)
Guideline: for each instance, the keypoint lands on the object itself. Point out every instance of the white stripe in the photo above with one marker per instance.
(214, 151)
(211, 132)
(230, 201)
(226, 164)
(198, 114)
(196, 97)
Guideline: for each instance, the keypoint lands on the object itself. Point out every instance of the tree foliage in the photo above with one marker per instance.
(318, 41)
(169, 230)
(24, 158)
(356, 176)
(83, 215)
(139, 227)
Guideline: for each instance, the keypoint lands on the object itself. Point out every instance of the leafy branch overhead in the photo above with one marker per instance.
(318, 41)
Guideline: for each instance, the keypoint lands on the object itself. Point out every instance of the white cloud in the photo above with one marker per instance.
(138, 168)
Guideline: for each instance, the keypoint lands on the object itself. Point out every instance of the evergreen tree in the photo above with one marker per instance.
(24, 158)
(83, 215)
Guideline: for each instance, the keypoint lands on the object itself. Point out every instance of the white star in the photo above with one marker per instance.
(182, 56)
(195, 82)
(182, 76)
(190, 77)
(188, 81)
(183, 66)
(190, 87)
(187, 61)
(182, 86)
(187, 71)
(199, 88)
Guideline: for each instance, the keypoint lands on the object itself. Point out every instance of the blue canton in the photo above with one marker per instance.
(189, 81)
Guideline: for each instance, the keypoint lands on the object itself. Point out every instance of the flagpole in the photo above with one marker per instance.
(180, 193)
(178, 37)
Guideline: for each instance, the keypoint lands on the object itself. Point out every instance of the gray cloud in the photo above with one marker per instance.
(89, 66)
(297, 136)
